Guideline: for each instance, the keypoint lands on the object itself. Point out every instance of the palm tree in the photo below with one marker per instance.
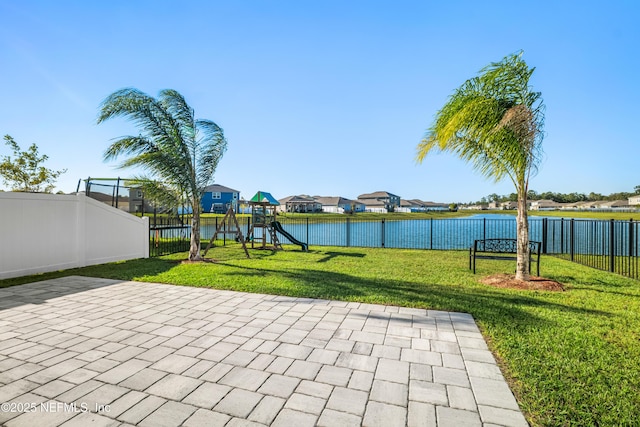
(494, 121)
(180, 153)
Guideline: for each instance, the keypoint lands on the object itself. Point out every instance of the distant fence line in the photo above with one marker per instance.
(604, 244)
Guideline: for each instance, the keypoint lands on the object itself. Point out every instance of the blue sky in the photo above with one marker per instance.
(325, 97)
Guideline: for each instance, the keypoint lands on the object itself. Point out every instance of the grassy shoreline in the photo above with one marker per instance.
(571, 358)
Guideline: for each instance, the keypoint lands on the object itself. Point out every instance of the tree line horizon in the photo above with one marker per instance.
(559, 197)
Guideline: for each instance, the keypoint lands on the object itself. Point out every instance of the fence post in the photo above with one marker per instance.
(571, 238)
(612, 243)
(348, 232)
(630, 252)
(631, 238)
(307, 232)
(117, 191)
(431, 233)
(484, 228)
(382, 232)
(545, 227)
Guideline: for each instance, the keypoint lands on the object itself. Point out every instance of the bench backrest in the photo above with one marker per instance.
(503, 246)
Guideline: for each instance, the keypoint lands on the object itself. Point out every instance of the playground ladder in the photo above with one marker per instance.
(222, 228)
(274, 238)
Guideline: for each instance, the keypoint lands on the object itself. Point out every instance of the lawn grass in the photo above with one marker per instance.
(571, 358)
(619, 216)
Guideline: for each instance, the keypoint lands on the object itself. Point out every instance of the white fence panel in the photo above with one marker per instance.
(49, 232)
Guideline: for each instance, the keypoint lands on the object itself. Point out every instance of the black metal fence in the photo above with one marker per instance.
(168, 236)
(606, 245)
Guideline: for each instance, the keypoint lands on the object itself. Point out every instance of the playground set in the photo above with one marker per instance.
(264, 226)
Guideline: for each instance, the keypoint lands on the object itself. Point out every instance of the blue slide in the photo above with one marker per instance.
(278, 227)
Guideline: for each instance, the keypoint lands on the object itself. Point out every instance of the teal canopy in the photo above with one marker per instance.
(264, 197)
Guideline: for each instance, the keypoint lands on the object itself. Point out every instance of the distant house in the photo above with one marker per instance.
(339, 204)
(614, 205)
(634, 200)
(243, 207)
(407, 206)
(300, 204)
(218, 198)
(121, 202)
(137, 203)
(582, 205)
(508, 205)
(573, 206)
(478, 207)
(587, 205)
(375, 206)
(545, 205)
(417, 205)
(598, 205)
(380, 201)
(433, 206)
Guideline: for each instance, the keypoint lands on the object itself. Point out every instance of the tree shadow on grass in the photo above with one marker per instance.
(488, 305)
(603, 285)
(330, 255)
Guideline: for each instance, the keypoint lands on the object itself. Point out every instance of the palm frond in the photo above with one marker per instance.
(179, 153)
(157, 193)
(129, 145)
(211, 147)
(493, 121)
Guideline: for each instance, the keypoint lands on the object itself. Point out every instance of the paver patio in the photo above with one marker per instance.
(82, 351)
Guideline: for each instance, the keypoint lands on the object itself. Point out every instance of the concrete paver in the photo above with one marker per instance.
(106, 352)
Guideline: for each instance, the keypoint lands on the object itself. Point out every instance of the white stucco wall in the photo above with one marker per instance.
(49, 232)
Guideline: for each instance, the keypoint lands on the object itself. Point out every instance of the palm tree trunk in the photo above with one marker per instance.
(194, 250)
(522, 231)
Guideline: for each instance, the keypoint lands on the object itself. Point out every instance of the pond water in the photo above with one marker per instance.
(580, 236)
(457, 233)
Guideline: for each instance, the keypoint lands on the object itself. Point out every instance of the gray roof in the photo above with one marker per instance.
(373, 203)
(616, 204)
(421, 203)
(574, 204)
(409, 203)
(335, 200)
(297, 199)
(217, 188)
(377, 195)
(435, 204)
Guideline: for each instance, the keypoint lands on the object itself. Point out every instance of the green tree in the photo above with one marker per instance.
(494, 121)
(493, 197)
(178, 152)
(24, 172)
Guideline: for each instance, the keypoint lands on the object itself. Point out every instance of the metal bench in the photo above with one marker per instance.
(502, 249)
